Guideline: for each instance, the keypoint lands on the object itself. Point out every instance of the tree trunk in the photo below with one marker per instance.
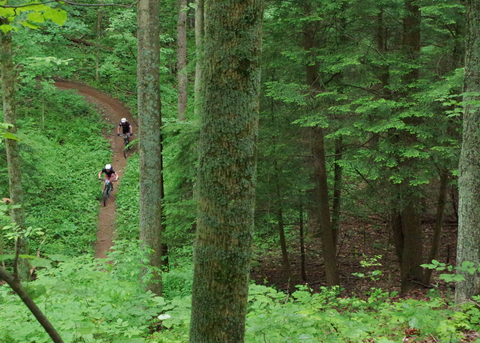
(227, 170)
(27, 300)
(469, 179)
(337, 190)
(182, 60)
(98, 29)
(442, 200)
(302, 246)
(149, 126)
(413, 248)
(317, 137)
(199, 33)
(281, 231)
(12, 148)
(321, 199)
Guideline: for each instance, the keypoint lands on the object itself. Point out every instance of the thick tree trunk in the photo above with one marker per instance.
(149, 126)
(199, 34)
(12, 148)
(27, 300)
(182, 76)
(227, 170)
(411, 271)
(409, 205)
(469, 179)
(321, 199)
(442, 200)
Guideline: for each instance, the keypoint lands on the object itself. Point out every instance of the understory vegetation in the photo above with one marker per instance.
(359, 135)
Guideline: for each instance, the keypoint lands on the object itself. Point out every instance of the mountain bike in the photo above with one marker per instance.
(126, 143)
(106, 190)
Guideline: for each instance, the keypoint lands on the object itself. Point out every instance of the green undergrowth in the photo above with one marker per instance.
(62, 150)
(325, 317)
(127, 202)
(88, 300)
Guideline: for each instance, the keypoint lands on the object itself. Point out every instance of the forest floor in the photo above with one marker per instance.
(358, 240)
(113, 111)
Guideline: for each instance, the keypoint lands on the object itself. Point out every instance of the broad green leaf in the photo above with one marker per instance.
(9, 135)
(56, 15)
(28, 24)
(36, 17)
(6, 28)
(7, 257)
(41, 262)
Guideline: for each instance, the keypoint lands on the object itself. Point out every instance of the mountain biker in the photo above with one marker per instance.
(126, 127)
(108, 170)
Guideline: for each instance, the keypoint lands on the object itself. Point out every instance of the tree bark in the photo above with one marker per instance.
(412, 254)
(302, 246)
(337, 190)
(469, 179)
(182, 76)
(149, 131)
(281, 231)
(227, 170)
(12, 148)
(199, 34)
(442, 200)
(317, 137)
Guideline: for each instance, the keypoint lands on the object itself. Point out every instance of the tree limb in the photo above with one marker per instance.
(27, 300)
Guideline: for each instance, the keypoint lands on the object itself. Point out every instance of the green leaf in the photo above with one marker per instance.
(6, 28)
(33, 26)
(41, 262)
(7, 257)
(56, 15)
(36, 17)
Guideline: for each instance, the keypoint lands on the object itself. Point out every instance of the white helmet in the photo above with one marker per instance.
(123, 120)
(108, 166)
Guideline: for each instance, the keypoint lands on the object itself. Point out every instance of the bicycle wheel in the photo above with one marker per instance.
(125, 147)
(105, 195)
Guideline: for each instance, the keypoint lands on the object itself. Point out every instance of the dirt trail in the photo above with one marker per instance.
(113, 111)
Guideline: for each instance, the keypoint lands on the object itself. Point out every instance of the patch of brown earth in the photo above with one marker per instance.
(113, 111)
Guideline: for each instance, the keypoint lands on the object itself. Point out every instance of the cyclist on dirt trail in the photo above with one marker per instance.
(126, 127)
(108, 170)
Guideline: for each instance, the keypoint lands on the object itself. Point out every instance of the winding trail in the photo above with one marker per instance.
(113, 111)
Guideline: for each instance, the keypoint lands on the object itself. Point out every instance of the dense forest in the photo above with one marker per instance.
(300, 171)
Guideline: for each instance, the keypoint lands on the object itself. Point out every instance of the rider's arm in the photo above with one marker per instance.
(116, 176)
(100, 175)
(118, 129)
(131, 130)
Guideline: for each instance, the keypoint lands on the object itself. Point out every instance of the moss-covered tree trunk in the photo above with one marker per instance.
(199, 33)
(227, 169)
(149, 126)
(469, 180)
(182, 59)
(12, 148)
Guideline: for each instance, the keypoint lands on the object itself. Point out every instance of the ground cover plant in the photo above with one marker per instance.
(61, 162)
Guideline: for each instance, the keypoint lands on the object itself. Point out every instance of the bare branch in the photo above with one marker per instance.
(27, 300)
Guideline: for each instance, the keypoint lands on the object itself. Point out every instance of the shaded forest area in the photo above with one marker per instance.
(311, 162)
